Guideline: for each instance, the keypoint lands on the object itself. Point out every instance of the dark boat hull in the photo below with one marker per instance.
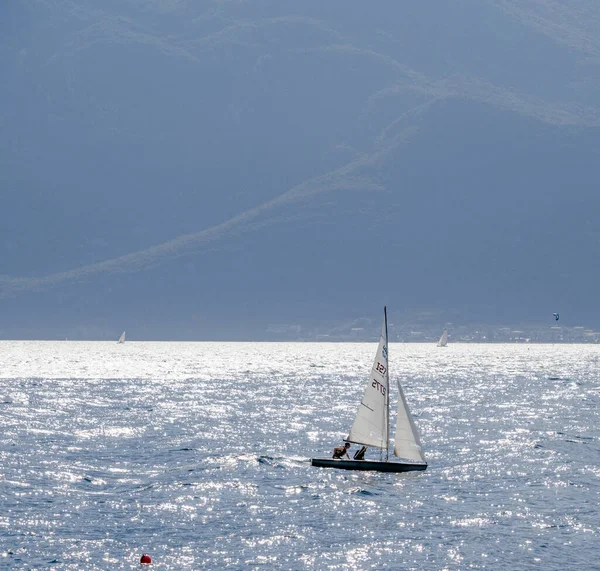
(367, 465)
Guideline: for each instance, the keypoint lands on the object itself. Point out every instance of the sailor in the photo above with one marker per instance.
(339, 451)
(360, 454)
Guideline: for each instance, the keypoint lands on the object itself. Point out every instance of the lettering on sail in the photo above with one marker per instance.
(380, 368)
(378, 386)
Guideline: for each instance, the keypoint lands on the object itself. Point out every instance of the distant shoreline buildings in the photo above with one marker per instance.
(431, 333)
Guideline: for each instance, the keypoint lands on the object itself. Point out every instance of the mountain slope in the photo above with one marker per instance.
(201, 170)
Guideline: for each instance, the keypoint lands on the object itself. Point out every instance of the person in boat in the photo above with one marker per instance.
(339, 451)
(360, 454)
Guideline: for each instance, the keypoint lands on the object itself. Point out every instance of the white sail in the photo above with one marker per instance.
(122, 338)
(406, 441)
(443, 339)
(370, 425)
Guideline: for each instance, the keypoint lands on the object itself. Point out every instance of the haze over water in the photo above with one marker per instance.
(198, 454)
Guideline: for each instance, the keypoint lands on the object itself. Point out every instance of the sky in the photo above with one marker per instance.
(210, 170)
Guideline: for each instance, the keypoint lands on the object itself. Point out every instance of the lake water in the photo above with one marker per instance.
(199, 454)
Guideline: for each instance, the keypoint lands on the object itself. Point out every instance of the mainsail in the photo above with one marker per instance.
(371, 422)
(406, 441)
(443, 339)
(122, 338)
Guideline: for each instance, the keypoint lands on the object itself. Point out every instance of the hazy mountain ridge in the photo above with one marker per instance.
(177, 144)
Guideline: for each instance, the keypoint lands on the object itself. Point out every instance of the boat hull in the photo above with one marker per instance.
(365, 465)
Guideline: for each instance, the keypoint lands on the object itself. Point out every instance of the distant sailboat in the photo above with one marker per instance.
(371, 423)
(122, 338)
(443, 339)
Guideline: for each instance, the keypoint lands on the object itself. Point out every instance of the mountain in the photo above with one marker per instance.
(218, 169)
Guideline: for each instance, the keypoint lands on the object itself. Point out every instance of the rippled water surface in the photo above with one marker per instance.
(199, 454)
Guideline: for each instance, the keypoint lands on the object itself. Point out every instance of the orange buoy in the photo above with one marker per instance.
(146, 559)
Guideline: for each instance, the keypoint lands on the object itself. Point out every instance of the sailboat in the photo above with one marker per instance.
(371, 423)
(122, 338)
(443, 339)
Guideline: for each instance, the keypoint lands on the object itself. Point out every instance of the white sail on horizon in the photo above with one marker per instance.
(122, 338)
(443, 339)
(370, 426)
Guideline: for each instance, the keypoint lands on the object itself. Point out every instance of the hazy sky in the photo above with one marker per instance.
(205, 169)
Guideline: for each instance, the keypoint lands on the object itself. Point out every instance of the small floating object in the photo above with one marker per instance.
(146, 559)
(556, 316)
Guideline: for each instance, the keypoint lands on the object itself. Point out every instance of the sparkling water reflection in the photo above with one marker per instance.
(198, 453)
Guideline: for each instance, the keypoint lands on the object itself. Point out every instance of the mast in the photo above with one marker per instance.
(387, 396)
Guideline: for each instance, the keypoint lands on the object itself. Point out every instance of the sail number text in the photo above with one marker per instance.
(380, 368)
(378, 387)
